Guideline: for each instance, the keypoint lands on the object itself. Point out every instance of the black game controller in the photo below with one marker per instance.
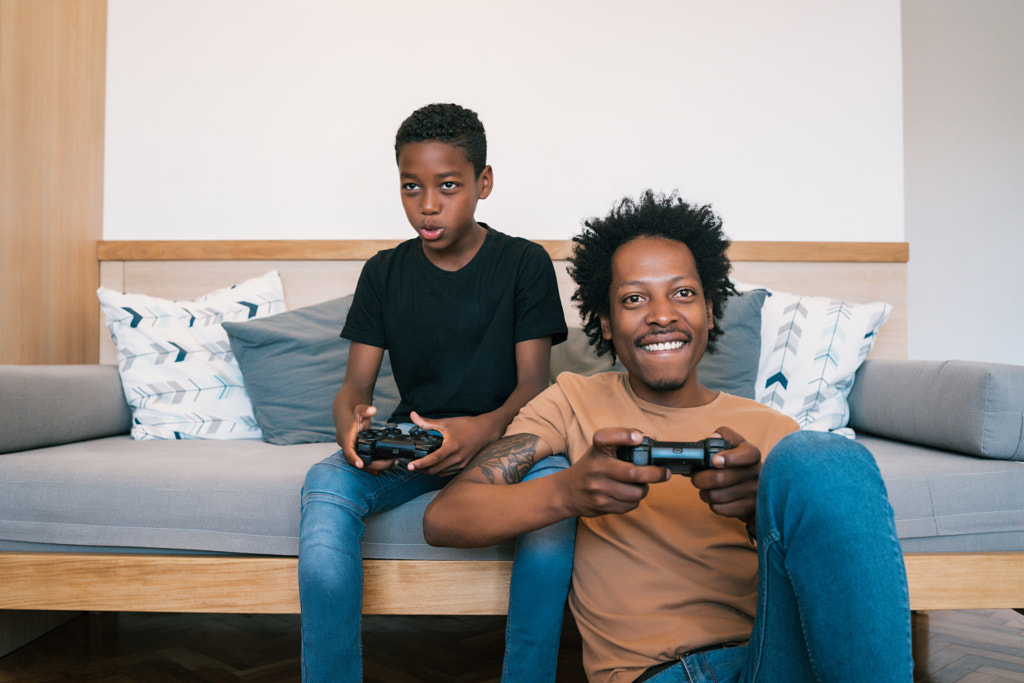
(681, 457)
(390, 442)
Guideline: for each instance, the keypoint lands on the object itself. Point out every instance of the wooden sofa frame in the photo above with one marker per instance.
(228, 584)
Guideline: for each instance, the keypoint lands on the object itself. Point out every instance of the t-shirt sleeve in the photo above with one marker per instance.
(538, 305)
(364, 323)
(546, 416)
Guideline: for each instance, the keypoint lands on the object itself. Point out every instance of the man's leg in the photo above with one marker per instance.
(540, 582)
(336, 499)
(832, 595)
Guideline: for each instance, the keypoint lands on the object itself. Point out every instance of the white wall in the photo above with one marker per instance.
(964, 104)
(264, 119)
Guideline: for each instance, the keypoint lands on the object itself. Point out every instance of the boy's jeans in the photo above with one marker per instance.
(337, 498)
(832, 594)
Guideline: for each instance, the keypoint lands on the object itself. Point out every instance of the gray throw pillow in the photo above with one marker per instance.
(733, 366)
(293, 365)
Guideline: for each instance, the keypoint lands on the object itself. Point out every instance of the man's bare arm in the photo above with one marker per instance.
(505, 461)
(479, 507)
(488, 502)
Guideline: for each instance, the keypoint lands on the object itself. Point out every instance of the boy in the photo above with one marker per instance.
(468, 316)
(668, 585)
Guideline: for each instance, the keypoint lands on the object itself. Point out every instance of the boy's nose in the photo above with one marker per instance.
(429, 204)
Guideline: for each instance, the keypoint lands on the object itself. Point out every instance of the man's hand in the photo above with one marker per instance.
(730, 486)
(599, 483)
(464, 437)
(361, 420)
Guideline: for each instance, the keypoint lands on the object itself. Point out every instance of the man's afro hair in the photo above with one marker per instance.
(653, 215)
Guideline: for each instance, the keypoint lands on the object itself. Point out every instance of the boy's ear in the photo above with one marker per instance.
(485, 182)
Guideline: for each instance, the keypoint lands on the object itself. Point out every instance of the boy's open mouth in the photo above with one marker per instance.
(429, 232)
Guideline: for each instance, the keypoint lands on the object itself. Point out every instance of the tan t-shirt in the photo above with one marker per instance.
(669, 576)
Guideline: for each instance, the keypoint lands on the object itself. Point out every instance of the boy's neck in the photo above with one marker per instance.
(456, 255)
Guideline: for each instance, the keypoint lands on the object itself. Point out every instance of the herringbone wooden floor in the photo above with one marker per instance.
(968, 647)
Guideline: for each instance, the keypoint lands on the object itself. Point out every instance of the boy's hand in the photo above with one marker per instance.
(730, 486)
(464, 437)
(600, 483)
(361, 420)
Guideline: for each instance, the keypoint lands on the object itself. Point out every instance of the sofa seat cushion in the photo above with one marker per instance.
(947, 502)
(228, 496)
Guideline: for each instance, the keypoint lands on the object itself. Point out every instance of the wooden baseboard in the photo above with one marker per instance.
(269, 585)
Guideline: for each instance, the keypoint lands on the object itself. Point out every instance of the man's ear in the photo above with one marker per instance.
(486, 182)
(606, 327)
(711, 316)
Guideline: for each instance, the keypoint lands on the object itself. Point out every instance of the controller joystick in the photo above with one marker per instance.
(680, 457)
(390, 442)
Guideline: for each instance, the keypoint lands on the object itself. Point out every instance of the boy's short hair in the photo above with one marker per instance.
(447, 123)
(654, 215)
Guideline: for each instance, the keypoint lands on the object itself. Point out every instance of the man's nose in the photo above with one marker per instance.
(662, 312)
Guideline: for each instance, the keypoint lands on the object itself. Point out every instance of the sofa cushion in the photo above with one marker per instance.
(971, 407)
(177, 368)
(945, 502)
(810, 351)
(293, 365)
(239, 496)
(46, 405)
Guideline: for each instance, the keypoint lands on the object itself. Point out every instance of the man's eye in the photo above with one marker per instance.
(685, 293)
(632, 299)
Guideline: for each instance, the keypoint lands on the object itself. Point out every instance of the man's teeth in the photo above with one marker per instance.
(663, 346)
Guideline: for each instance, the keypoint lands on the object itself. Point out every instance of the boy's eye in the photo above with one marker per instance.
(409, 187)
(449, 185)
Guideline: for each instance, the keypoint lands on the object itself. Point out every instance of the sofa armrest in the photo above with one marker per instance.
(970, 407)
(48, 405)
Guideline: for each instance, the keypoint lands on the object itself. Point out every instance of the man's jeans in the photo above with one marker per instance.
(832, 592)
(337, 498)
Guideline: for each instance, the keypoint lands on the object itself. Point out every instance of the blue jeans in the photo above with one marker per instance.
(536, 602)
(832, 589)
(336, 500)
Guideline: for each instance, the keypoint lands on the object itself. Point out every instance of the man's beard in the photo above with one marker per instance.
(664, 386)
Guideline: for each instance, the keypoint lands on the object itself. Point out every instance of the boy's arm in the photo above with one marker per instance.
(353, 404)
(480, 507)
(464, 437)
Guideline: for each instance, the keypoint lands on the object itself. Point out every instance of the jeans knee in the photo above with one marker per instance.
(810, 467)
(549, 465)
(806, 453)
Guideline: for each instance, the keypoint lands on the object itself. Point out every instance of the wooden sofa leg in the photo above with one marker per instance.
(19, 627)
(919, 641)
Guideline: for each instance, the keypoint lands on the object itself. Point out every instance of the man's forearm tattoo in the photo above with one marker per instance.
(507, 460)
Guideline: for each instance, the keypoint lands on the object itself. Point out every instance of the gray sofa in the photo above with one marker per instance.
(93, 520)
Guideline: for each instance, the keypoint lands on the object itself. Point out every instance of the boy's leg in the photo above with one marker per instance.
(536, 602)
(336, 499)
(832, 595)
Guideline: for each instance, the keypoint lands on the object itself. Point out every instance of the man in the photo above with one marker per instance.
(668, 584)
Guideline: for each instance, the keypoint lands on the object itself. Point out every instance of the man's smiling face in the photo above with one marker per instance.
(658, 320)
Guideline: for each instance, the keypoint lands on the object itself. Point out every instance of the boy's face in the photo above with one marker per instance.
(658, 320)
(439, 194)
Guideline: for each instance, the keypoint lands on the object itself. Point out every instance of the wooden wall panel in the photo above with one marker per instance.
(52, 84)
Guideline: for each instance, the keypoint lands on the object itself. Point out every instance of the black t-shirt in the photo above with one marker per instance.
(451, 336)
